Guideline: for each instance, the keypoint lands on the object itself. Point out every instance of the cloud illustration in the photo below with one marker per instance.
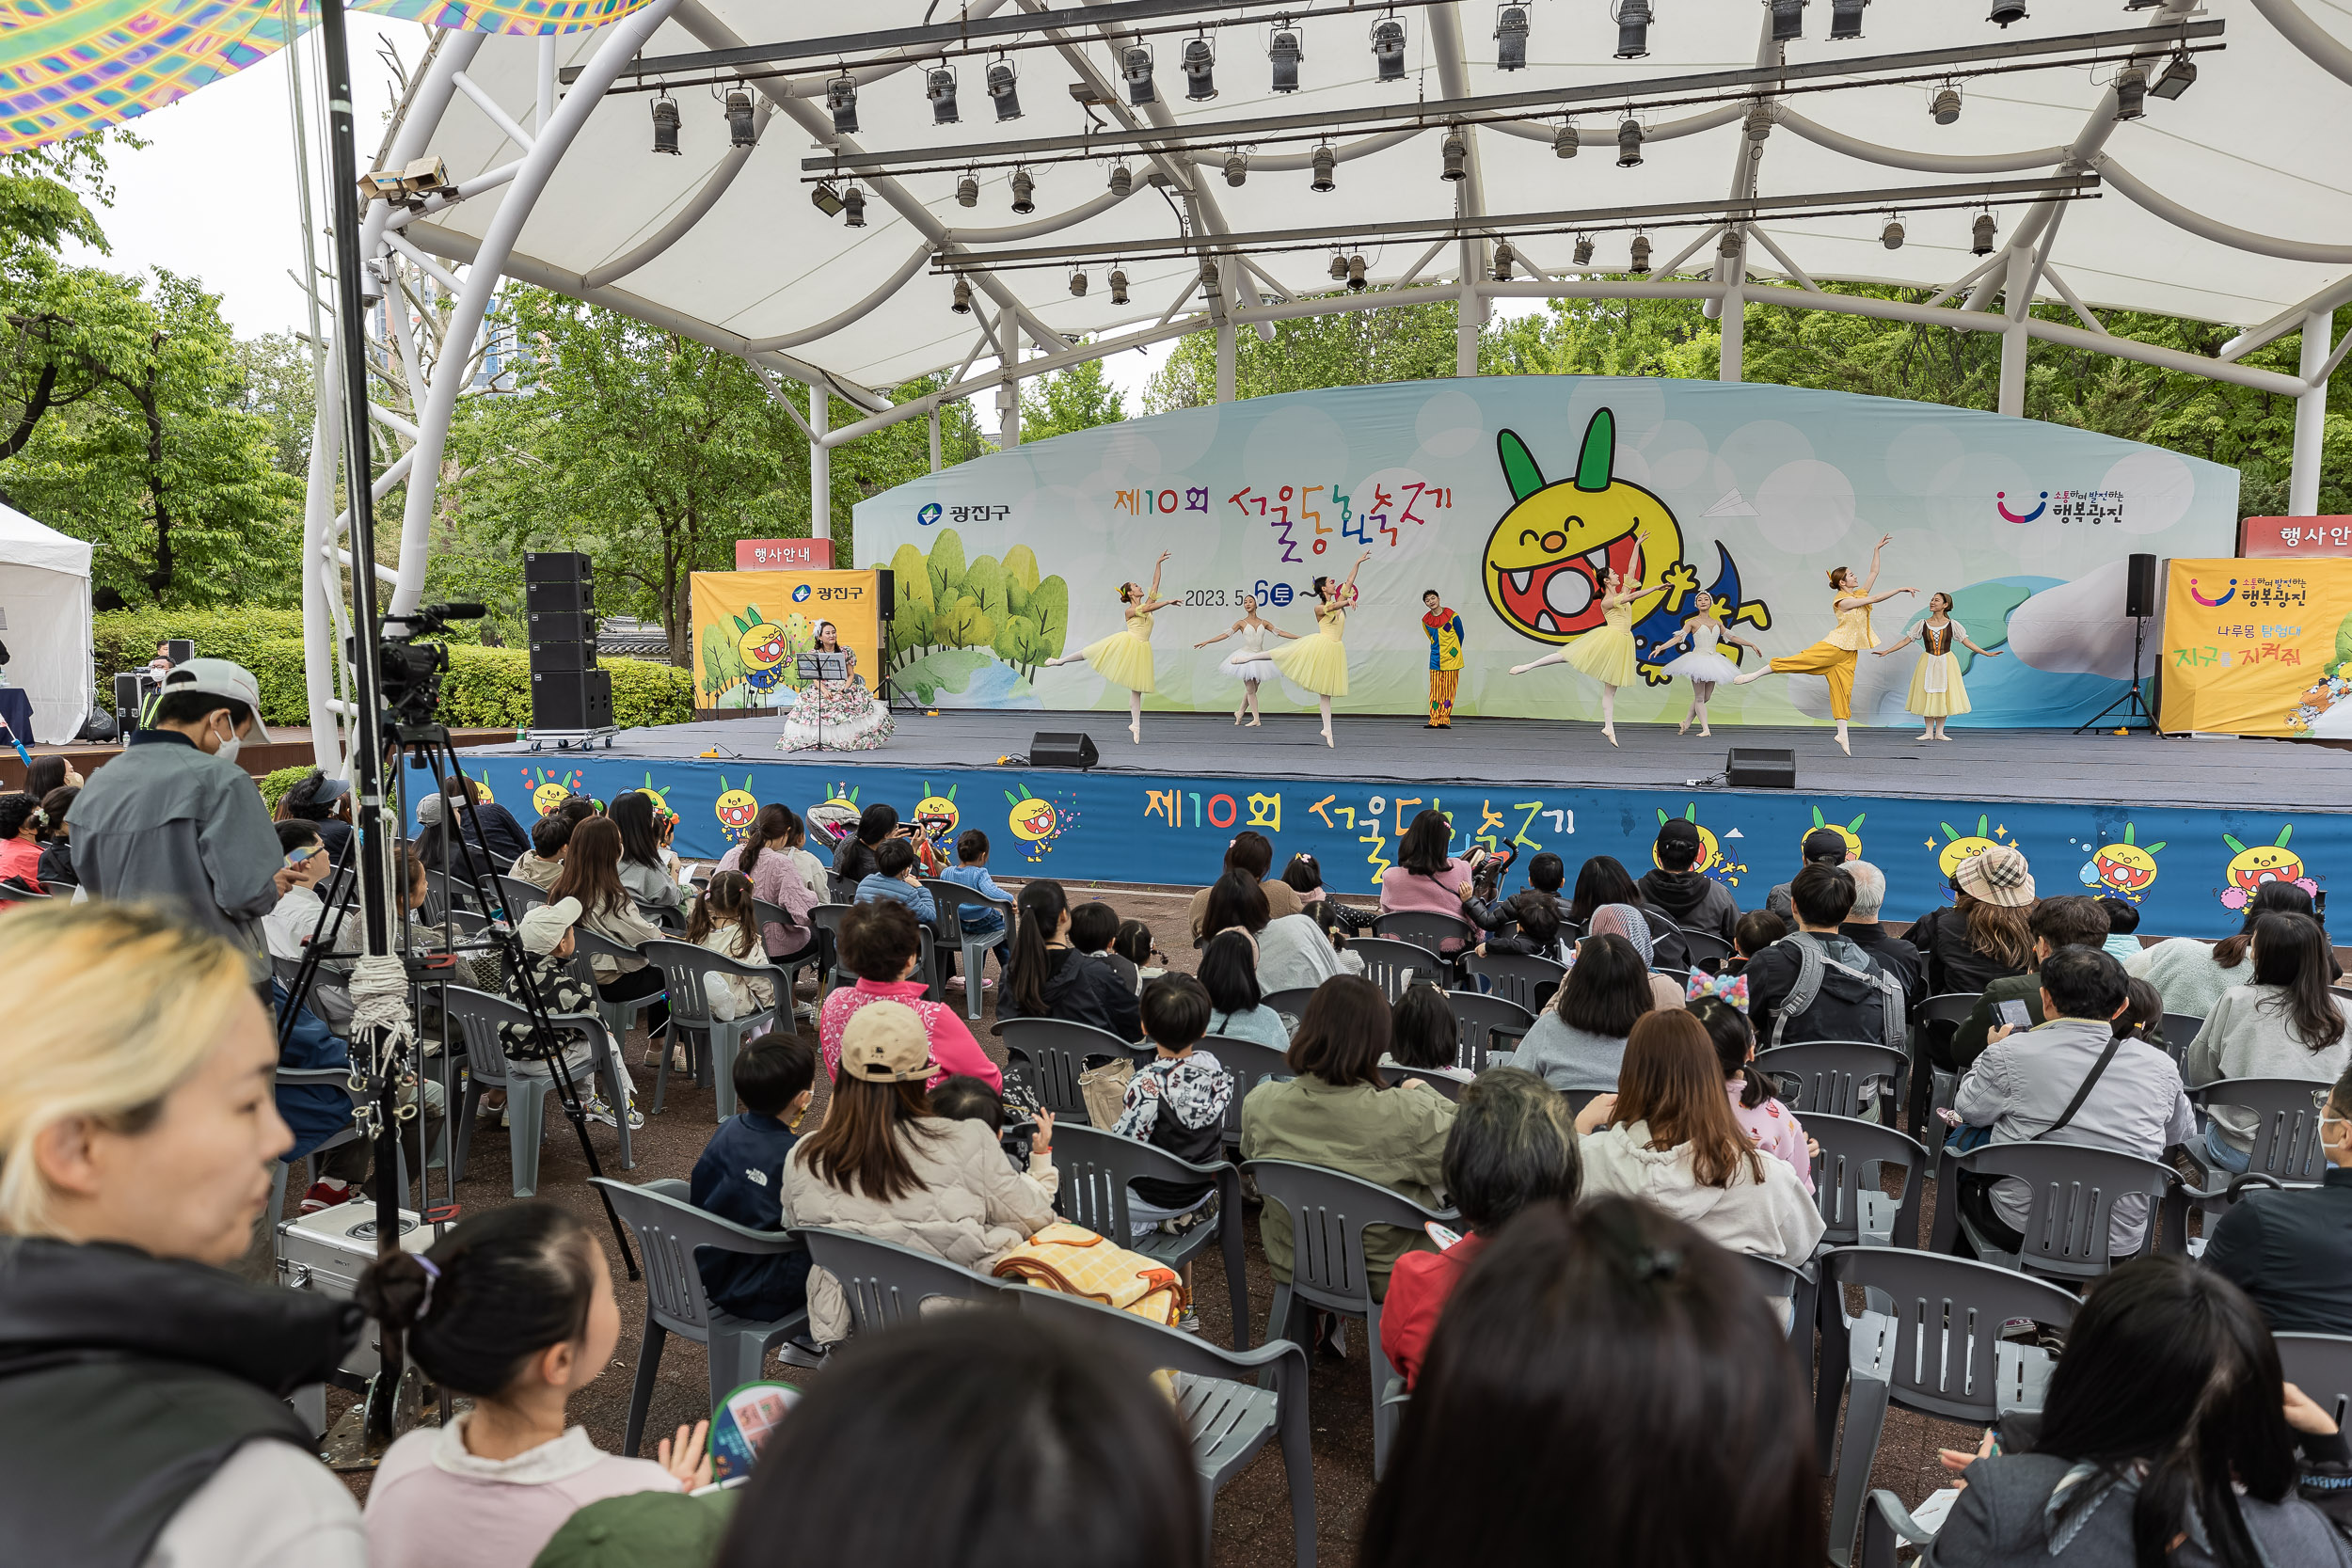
(2080, 628)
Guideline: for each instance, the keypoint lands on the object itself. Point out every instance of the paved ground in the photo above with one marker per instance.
(1252, 1514)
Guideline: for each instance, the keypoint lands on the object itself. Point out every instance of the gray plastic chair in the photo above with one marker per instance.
(1246, 1064)
(826, 918)
(1053, 1051)
(1329, 1210)
(1799, 1291)
(1833, 1077)
(1933, 1086)
(1709, 952)
(1516, 977)
(476, 1015)
(1488, 1023)
(1291, 1004)
(1444, 1083)
(21, 896)
(1393, 965)
(2286, 1134)
(767, 915)
(884, 1283)
(669, 1231)
(1886, 1528)
(687, 968)
(1426, 929)
(2321, 1366)
(1854, 1208)
(520, 897)
(1227, 1416)
(2074, 1187)
(2179, 1029)
(952, 899)
(1939, 1353)
(1096, 1167)
(339, 1077)
(620, 1017)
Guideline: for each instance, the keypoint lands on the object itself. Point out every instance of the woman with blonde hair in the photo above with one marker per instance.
(136, 1131)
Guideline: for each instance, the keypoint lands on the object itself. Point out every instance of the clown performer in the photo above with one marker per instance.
(1606, 652)
(1936, 691)
(1318, 662)
(1835, 656)
(1124, 657)
(835, 716)
(1248, 664)
(1444, 628)
(1703, 666)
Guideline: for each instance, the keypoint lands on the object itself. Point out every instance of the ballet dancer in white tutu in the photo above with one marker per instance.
(1249, 663)
(1703, 666)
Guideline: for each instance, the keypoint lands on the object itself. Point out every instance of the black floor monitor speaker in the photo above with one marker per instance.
(1760, 767)
(2139, 586)
(1063, 749)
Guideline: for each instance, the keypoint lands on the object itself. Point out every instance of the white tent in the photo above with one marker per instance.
(44, 596)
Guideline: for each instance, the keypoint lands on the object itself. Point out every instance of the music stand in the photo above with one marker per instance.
(813, 666)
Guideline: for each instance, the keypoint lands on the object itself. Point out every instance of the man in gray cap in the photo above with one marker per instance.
(175, 819)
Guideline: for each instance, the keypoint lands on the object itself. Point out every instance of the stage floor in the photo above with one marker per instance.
(2051, 766)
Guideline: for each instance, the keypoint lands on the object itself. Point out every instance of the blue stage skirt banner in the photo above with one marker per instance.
(2191, 870)
(1513, 497)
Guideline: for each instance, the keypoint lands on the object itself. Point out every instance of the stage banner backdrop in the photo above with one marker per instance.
(1512, 495)
(2258, 647)
(750, 627)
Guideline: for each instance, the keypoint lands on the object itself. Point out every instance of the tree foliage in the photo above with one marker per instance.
(1078, 398)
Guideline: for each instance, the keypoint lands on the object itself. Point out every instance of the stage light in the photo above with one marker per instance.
(1633, 18)
(963, 306)
(741, 132)
(940, 88)
(968, 191)
(2178, 77)
(1583, 250)
(1339, 268)
(2130, 92)
(1199, 69)
(1079, 284)
(826, 199)
(1845, 18)
(1283, 54)
(841, 98)
(853, 208)
(1759, 120)
(1981, 236)
(1023, 192)
(1003, 86)
(1122, 180)
(2007, 12)
(1455, 152)
(1325, 161)
(1629, 143)
(1503, 258)
(1118, 287)
(665, 125)
(1135, 63)
(1236, 168)
(1511, 38)
(1388, 50)
(1357, 281)
(1211, 281)
(1729, 246)
(1945, 106)
(1640, 255)
(1788, 20)
(1563, 141)
(1892, 235)
(2141, 4)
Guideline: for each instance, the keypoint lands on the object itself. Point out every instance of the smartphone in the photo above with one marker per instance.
(2013, 1012)
(1444, 1236)
(298, 857)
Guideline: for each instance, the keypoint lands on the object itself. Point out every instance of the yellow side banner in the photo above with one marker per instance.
(2258, 647)
(750, 628)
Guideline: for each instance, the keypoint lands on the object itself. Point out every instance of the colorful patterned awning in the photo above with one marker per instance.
(72, 65)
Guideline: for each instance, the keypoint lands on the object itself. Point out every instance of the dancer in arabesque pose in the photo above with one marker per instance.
(1835, 656)
(1607, 653)
(1124, 657)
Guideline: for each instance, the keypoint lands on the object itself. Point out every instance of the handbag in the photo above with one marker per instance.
(1105, 1091)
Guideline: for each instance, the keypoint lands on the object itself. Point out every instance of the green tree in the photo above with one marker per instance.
(280, 388)
(1078, 398)
(1358, 348)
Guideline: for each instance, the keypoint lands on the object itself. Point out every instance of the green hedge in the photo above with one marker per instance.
(274, 785)
(486, 687)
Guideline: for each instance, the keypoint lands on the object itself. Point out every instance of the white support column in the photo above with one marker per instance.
(1470, 315)
(934, 434)
(1008, 389)
(1730, 365)
(2311, 416)
(1225, 353)
(546, 95)
(2014, 338)
(819, 464)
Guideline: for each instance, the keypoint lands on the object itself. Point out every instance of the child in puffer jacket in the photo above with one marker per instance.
(1176, 1102)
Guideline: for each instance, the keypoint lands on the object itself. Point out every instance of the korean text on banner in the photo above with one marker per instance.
(2257, 647)
(750, 628)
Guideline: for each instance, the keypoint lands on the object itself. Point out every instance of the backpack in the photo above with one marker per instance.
(1839, 1002)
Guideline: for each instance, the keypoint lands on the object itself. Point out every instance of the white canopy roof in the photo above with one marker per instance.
(44, 596)
(2254, 145)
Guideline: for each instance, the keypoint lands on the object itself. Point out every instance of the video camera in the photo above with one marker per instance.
(409, 673)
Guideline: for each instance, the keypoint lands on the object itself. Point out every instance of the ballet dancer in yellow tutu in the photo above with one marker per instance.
(1606, 653)
(1124, 657)
(1318, 661)
(1835, 656)
(1936, 691)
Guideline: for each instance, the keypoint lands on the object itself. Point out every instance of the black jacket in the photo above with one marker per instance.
(1898, 956)
(2292, 1252)
(1953, 965)
(55, 869)
(1081, 990)
(741, 1177)
(127, 1380)
(1693, 900)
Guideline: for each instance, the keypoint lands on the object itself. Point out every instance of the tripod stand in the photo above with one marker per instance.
(2135, 714)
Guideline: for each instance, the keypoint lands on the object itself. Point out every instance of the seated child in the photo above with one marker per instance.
(1133, 943)
(545, 935)
(515, 1309)
(1546, 874)
(971, 870)
(1176, 1102)
(2122, 920)
(741, 1177)
(543, 861)
(1305, 876)
(965, 1097)
(1423, 1031)
(1755, 1106)
(1756, 930)
(1537, 932)
(724, 922)
(893, 878)
(1092, 925)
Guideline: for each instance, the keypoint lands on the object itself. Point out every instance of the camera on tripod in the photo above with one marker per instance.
(409, 673)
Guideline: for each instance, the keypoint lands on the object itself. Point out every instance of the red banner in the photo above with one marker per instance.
(784, 555)
(2288, 538)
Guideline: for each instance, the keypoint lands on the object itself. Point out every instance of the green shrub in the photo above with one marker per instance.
(274, 785)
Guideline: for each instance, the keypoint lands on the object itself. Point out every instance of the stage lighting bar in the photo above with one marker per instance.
(1975, 195)
(1825, 75)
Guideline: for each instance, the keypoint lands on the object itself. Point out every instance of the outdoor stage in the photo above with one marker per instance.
(2186, 827)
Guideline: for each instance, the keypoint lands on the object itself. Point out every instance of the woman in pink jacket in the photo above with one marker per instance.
(775, 880)
(880, 941)
(1425, 878)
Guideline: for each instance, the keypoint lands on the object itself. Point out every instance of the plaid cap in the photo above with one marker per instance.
(1999, 877)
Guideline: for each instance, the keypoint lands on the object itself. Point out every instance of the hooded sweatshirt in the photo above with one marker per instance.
(1773, 1217)
(1083, 990)
(1694, 901)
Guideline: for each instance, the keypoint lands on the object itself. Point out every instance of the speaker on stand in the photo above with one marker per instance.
(885, 607)
(2139, 603)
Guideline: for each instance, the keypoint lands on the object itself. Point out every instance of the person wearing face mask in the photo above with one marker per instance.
(174, 819)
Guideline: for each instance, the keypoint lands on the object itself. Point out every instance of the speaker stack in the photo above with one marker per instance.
(568, 690)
